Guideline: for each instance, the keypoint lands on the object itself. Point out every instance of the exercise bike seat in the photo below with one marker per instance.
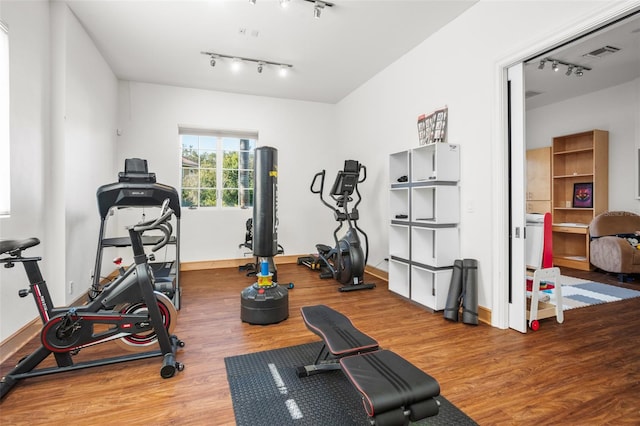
(10, 246)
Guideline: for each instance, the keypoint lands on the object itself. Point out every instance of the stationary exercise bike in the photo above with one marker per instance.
(127, 311)
(346, 261)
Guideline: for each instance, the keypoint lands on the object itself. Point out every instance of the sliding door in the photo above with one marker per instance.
(516, 159)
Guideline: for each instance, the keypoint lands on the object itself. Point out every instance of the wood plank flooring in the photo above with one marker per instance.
(585, 371)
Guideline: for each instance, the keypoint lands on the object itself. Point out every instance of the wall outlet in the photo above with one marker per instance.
(70, 287)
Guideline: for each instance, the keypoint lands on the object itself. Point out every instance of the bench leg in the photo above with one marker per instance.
(322, 364)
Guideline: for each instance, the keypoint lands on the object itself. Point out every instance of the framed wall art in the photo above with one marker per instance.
(583, 195)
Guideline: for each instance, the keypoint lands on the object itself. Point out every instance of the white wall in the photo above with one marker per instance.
(303, 133)
(90, 124)
(29, 75)
(63, 122)
(457, 67)
(616, 110)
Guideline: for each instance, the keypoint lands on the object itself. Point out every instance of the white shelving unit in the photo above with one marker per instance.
(424, 204)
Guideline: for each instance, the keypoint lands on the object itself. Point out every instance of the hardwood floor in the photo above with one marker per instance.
(585, 371)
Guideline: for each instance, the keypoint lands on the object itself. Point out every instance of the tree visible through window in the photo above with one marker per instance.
(217, 169)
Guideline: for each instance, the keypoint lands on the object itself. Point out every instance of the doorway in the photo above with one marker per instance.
(514, 297)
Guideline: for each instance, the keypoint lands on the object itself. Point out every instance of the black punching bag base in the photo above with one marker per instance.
(266, 305)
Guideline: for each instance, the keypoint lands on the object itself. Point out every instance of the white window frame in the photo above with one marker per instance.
(5, 116)
(220, 136)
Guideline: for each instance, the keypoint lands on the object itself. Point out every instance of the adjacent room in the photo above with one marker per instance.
(319, 212)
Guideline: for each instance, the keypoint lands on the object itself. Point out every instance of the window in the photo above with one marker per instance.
(5, 174)
(217, 168)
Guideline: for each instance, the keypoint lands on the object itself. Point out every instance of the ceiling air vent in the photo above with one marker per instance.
(602, 52)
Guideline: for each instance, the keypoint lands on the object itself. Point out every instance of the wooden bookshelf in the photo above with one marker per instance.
(581, 158)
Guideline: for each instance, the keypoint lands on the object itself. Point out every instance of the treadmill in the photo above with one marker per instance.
(137, 188)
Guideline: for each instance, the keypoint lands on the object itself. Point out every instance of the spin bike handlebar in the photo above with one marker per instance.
(160, 223)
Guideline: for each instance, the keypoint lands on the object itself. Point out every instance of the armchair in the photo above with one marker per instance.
(610, 248)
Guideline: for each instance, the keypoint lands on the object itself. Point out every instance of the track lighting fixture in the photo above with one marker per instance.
(236, 62)
(578, 70)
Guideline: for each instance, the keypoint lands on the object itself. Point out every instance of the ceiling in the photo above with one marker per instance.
(161, 41)
(544, 86)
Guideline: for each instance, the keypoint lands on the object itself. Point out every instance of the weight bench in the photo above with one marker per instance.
(393, 390)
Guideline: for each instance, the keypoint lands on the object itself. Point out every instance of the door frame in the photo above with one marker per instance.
(500, 315)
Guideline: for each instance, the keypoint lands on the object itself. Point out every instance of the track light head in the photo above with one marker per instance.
(541, 65)
(579, 72)
(213, 61)
(317, 9)
(236, 65)
(569, 70)
(252, 1)
(260, 65)
(554, 66)
(283, 70)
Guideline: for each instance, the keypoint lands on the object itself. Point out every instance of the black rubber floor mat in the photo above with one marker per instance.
(266, 390)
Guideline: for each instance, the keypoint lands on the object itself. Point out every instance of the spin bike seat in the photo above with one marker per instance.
(9, 246)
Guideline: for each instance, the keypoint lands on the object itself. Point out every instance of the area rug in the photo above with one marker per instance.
(266, 390)
(578, 293)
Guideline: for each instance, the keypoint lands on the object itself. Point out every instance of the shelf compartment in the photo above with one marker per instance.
(399, 276)
(399, 203)
(398, 166)
(573, 163)
(563, 191)
(574, 142)
(571, 247)
(436, 204)
(439, 162)
(399, 241)
(430, 287)
(437, 247)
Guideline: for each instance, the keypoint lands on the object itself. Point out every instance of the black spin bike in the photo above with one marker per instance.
(127, 311)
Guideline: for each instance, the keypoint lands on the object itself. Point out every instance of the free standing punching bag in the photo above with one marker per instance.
(455, 293)
(265, 206)
(470, 291)
(265, 302)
